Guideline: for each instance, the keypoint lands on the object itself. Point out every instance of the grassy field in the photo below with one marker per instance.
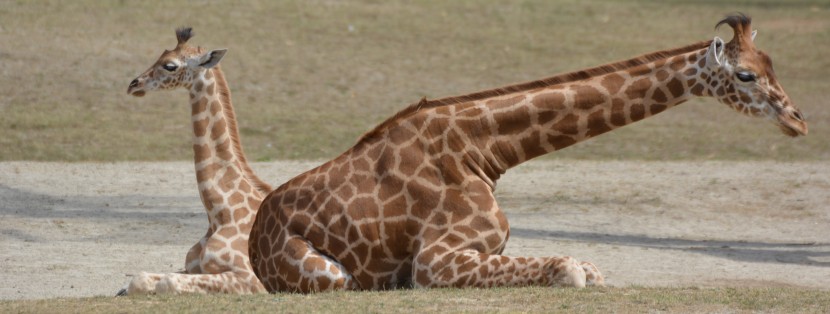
(308, 77)
(532, 299)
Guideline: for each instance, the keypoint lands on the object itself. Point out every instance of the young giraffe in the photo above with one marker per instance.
(412, 202)
(230, 191)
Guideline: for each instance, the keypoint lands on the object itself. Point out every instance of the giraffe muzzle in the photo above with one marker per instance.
(135, 88)
(792, 122)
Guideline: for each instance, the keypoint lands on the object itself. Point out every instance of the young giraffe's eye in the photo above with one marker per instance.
(170, 67)
(745, 76)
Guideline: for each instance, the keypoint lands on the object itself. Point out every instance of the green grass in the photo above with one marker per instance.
(305, 86)
(532, 299)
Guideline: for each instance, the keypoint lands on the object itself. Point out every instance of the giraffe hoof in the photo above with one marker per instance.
(141, 284)
(569, 273)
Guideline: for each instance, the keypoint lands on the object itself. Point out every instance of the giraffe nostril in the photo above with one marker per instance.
(797, 115)
(134, 83)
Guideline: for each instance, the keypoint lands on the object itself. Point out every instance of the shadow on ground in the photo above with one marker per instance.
(747, 251)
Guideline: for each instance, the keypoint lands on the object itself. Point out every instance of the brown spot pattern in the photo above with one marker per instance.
(419, 208)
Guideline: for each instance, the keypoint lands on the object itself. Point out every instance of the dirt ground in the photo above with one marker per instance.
(72, 230)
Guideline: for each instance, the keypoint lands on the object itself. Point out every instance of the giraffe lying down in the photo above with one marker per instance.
(412, 202)
(230, 191)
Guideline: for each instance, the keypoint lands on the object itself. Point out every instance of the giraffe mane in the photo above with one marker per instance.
(545, 82)
(233, 130)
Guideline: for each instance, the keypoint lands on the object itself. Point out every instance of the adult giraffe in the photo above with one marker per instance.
(229, 189)
(412, 202)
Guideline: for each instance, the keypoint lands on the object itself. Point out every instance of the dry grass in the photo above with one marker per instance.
(532, 299)
(310, 76)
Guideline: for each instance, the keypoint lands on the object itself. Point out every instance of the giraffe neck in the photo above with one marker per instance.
(532, 123)
(221, 165)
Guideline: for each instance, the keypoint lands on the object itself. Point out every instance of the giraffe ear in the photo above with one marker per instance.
(755, 32)
(212, 58)
(714, 56)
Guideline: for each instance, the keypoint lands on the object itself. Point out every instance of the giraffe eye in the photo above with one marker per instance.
(745, 76)
(170, 67)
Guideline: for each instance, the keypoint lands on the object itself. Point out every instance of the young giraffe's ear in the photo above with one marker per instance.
(212, 58)
(755, 32)
(714, 56)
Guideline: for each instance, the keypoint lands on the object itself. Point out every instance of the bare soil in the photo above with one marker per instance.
(82, 229)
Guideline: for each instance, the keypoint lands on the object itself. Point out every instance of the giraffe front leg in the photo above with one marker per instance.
(228, 282)
(439, 267)
(144, 283)
(593, 277)
(299, 267)
(193, 259)
(178, 283)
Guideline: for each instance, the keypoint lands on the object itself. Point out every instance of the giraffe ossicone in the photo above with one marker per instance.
(230, 191)
(411, 204)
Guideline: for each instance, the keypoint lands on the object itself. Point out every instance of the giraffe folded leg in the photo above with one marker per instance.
(470, 268)
(193, 259)
(144, 283)
(177, 283)
(592, 275)
(302, 268)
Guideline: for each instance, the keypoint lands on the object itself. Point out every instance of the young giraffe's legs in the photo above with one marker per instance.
(301, 268)
(227, 270)
(193, 260)
(176, 283)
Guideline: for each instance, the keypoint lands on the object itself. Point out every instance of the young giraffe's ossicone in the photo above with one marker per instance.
(230, 191)
(412, 202)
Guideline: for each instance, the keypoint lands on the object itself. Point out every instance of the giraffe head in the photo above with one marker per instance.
(741, 76)
(179, 67)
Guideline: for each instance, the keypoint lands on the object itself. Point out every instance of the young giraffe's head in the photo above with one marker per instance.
(176, 68)
(741, 76)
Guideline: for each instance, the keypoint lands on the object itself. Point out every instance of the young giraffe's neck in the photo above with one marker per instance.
(221, 165)
(542, 120)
